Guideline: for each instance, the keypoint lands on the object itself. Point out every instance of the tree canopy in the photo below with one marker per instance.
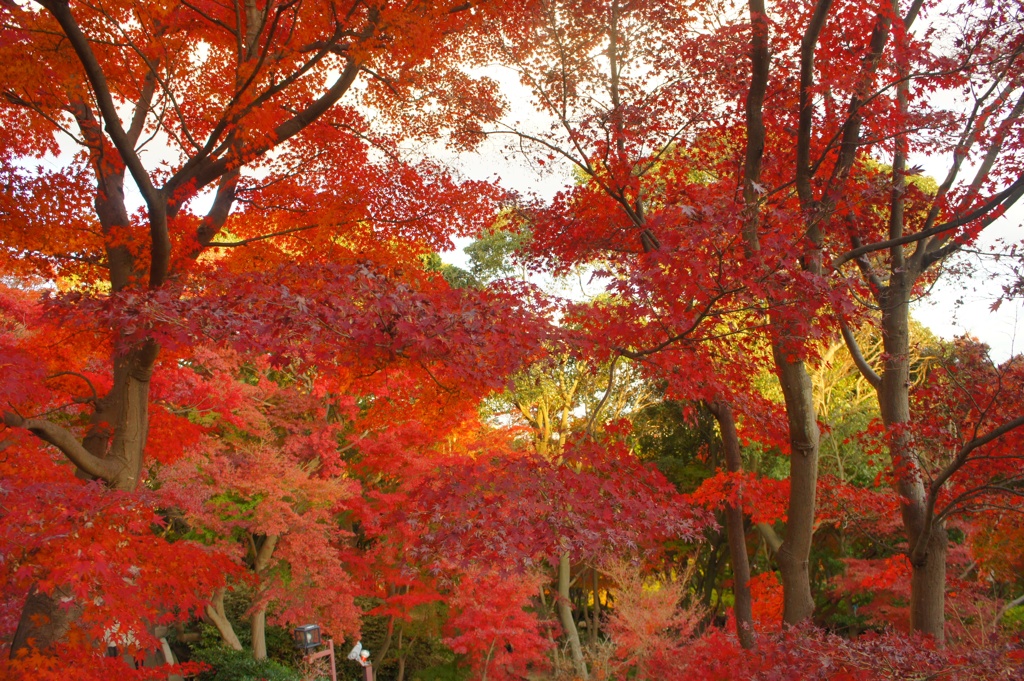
(243, 390)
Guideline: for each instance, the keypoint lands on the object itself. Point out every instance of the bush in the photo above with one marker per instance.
(239, 665)
(1013, 620)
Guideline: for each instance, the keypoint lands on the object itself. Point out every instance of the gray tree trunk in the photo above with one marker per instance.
(926, 539)
(572, 636)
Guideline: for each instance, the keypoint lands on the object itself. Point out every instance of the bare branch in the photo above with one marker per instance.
(858, 357)
(95, 396)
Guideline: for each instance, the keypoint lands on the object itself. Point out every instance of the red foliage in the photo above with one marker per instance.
(90, 666)
(488, 623)
(763, 499)
(801, 654)
(515, 510)
(87, 544)
(766, 597)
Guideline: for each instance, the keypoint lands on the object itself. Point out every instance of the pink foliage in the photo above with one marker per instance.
(650, 626)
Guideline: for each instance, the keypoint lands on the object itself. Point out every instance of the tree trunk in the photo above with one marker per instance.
(735, 529)
(263, 549)
(259, 633)
(926, 539)
(794, 555)
(565, 615)
(215, 613)
(128, 402)
(928, 588)
(43, 621)
(401, 665)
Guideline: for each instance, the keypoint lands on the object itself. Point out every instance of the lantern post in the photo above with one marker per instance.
(307, 637)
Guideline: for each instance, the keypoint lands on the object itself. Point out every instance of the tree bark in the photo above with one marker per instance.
(794, 555)
(928, 587)
(264, 551)
(743, 608)
(926, 539)
(259, 633)
(565, 615)
(215, 613)
(43, 621)
(128, 401)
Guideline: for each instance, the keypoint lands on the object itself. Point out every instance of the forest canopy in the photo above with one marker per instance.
(670, 417)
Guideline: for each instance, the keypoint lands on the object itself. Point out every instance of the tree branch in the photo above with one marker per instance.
(282, 132)
(1008, 196)
(803, 141)
(956, 464)
(1006, 608)
(161, 242)
(760, 63)
(95, 396)
(138, 123)
(67, 443)
(770, 536)
(858, 357)
(604, 398)
(266, 551)
(242, 242)
(215, 613)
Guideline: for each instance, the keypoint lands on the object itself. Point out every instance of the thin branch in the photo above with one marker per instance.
(281, 133)
(1006, 608)
(95, 396)
(1008, 196)
(242, 242)
(956, 464)
(640, 354)
(161, 242)
(604, 398)
(858, 357)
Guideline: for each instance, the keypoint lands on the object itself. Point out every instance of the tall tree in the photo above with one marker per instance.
(873, 98)
(222, 88)
(649, 124)
(900, 231)
(208, 139)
